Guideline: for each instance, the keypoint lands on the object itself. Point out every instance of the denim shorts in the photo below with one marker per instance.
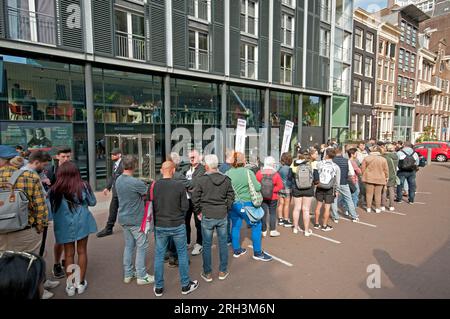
(285, 193)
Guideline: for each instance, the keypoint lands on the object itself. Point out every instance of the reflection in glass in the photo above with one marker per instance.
(312, 110)
(247, 104)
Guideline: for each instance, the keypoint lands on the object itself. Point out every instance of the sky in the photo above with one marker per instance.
(370, 5)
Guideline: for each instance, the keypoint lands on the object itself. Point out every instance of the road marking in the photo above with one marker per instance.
(362, 223)
(426, 193)
(284, 262)
(401, 214)
(420, 203)
(323, 237)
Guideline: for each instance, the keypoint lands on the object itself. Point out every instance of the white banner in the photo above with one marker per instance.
(241, 128)
(288, 129)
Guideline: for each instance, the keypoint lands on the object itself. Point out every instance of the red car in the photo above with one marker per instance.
(440, 151)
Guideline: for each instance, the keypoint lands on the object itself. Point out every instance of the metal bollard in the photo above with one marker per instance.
(429, 157)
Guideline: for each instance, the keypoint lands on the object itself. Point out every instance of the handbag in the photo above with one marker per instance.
(256, 196)
(148, 223)
(254, 214)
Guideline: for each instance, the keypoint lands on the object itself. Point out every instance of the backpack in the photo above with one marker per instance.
(304, 176)
(327, 175)
(13, 206)
(267, 186)
(408, 163)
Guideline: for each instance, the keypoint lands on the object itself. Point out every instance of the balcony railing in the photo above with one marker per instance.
(31, 26)
(130, 46)
(198, 59)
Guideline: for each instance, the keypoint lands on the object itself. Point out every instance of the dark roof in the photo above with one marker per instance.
(414, 13)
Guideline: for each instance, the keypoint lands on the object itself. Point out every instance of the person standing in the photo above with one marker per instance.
(389, 191)
(355, 179)
(213, 197)
(116, 157)
(271, 184)
(131, 194)
(70, 197)
(284, 195)
(240, 177)
(375, 174)
(170, 205)
(407, 166)
(195, 170)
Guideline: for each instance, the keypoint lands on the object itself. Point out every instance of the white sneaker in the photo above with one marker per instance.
(296, 230)
(377, 211)
(264, 233)
(274, 233)
(336, 221)
(346, 213)
(383, 209)
(70, 290)
(369, 210)
(148, 279)
(391, 209)
(356, 220)
(47, 294)
(197, 250)
(48, 284)
(127, 280)
(82, 287)
(308, 233)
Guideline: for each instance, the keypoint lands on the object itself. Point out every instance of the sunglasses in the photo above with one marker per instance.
(31, 257)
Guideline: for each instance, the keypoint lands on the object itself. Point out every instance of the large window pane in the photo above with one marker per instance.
(312, 110)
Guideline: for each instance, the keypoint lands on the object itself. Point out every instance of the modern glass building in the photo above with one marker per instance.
(157, 76)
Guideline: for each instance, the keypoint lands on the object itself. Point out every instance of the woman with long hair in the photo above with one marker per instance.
(70, 197)
(284, 195)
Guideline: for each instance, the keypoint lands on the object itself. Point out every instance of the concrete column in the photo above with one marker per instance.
(167, 126)
(267, 119)
(89, 87)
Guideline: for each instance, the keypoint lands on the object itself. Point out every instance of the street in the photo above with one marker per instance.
(411, 247)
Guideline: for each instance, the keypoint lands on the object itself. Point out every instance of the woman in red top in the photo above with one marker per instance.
(271, 184)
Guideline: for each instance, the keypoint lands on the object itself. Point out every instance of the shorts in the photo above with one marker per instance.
(285, 193)
(325, 195)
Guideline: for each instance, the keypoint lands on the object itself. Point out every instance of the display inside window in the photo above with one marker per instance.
(312, 111)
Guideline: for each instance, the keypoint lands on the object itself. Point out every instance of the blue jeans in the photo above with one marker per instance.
(355, 196)
(237, 215)
(162, 237)
(410, 177)
(134, 241)
(345, 198)
(208, 226)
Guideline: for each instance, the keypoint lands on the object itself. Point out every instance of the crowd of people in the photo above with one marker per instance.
(320, 184)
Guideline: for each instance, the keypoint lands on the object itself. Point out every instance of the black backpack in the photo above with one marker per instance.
(408, 163)
(267, 186)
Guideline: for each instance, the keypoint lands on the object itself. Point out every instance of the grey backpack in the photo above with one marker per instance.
(304, 177)
(13, 206)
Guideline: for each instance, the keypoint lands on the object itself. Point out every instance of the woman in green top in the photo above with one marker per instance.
(240, 177)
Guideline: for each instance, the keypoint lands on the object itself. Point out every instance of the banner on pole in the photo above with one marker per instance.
(241, 128)
(288, 129)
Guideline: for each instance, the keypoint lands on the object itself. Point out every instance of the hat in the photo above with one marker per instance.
(17, 162)
(7, 152)
(116, 150)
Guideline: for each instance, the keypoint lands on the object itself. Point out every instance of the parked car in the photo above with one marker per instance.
(440, 151)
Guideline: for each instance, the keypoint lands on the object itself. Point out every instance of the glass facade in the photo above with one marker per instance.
(403, 121)
(340, 118)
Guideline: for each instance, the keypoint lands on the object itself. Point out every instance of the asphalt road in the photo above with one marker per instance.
(411, 247)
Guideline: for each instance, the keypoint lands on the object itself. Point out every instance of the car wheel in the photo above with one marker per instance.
(441, 158)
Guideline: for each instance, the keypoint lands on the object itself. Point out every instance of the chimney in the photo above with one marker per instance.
(390, 3)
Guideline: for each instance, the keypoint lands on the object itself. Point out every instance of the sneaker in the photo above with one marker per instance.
(48, 284)
(127, 280)
(336, 221)
(296, 230)
(316, 226)
(70, 290)
(197, 250)
(398, 201)
(383, 209)
(173, 262)
(148, 279)
(308, 233)
(82, 287)
(47, 294)
(280, 221)
(274, 233)
(58, 271)
(229, 243)
(327, 228)
(189, 288)
(105, 232)
(238, 253)
(288, 224)
(346, 213)
(264, 233)
(206, 277)
(391, 209)
(262, 257)
(411, 203)
(377, 211)
(158, 291)
(223, 275)
(355, 220)
(369, 210)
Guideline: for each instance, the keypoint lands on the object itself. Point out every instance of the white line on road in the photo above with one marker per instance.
(401, 214)
(420, 203)
(362, 223)
(426, 193)
(276, 258)
(323, 237)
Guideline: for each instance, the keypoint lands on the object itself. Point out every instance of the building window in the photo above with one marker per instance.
(324, 43)
(399, 86)
(200, 9)
(392, 72)
(249, 17)
(405, 87)
(406, 65)
(400, 59)
(368, 67)
(248, 61)
(403, 29)
(367, 93)
(130, 35)
(369, 42)
(198, 50)
(384, 95)
(32, 20)
(286, 68)
(386, 71)
(380, 47)
(380, 69)
(325, 10)
(413, 63)
(357, 91)
(408, 34)
(358, 38)
(377, 98)
(414, 37)
(357, 63)
(289, 3)
(411, 88)
(392, 50)
(287, 30)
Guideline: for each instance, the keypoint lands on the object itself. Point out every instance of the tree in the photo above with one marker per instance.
(429, 134)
